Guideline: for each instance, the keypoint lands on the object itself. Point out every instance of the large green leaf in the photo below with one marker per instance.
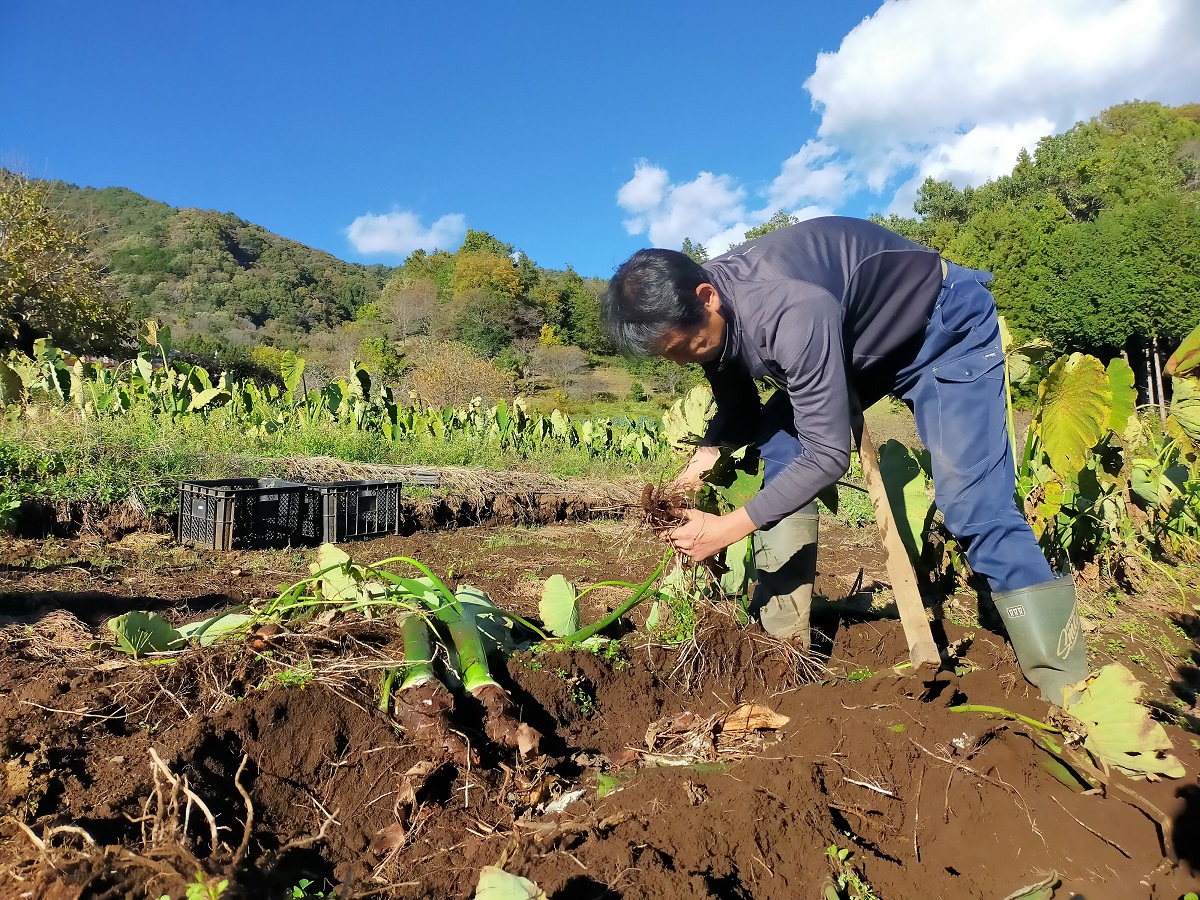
(559, 607)
(1185, 405)
(736, 476)
(496, 884)
(1124, 396)
(1076, 404)
(1158, 482)
(139, 632)
(1186, 358)
(906, 484)
(205, 397)
(291, 368)
(1119, 729)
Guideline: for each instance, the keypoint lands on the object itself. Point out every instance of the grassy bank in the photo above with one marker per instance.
(55, 453)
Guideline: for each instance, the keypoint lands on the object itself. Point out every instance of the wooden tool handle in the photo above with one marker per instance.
(921, 648)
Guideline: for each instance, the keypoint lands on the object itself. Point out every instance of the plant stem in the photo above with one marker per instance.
(584, 633)
(1004, 714)
(472, 658)
(418, 651)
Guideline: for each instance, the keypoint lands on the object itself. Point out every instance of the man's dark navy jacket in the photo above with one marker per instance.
(816, 306)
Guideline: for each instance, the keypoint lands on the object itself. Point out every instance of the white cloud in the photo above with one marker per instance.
(400, 232)
(810, 174)
(698, 209)
(951, 89)
(644, 190)
(954, 89)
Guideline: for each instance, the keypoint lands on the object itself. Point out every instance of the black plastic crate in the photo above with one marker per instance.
(345, 510)
(241, 513)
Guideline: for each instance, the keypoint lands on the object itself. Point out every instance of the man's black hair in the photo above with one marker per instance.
(651, 294)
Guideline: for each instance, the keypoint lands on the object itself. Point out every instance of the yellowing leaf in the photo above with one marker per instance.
(1075, 406)
(1119, 729)
(686, 421)
(559, 607)
(904, 481)
(496, 884)
(1185, 405)
(1124, 395)
(1186, 358)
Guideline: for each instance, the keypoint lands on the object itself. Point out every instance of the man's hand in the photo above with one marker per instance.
(704, 534)
(692, 478)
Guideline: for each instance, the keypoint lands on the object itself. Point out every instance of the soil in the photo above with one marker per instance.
(129, 760)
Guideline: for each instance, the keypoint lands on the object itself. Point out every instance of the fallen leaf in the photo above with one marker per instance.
(749, 717)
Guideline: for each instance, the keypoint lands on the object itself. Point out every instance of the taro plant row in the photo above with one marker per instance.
(159, 381)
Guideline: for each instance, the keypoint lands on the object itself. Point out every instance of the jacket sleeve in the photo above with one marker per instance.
(808, 346)
(738, 405)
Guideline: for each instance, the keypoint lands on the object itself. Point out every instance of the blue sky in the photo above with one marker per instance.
(577, 132)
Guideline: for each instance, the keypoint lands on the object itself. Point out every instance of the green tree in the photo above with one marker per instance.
(779, 220)
(477, 270)
(484, 242)
(694, 251)
(50, 286)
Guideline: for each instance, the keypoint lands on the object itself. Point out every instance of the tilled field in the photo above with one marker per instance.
(705, 770)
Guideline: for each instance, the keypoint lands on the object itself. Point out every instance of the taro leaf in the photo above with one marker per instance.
(559, 608)
(205, 397)
(1041, 890)
(339, 582)
(829, 496)
(210, 630)
(1119, 729)
(738, 558)
(291, 368)
(1185, 405)
(1124, 396)
(1156, 484)
(12, 387)
(686, 421)
(496, 884)
(1076, 404)
(493, 627)
(140, 632)
(905, 481)
(736, 475)
(1186, 358)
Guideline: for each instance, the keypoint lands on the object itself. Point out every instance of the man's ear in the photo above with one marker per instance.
(708, 296)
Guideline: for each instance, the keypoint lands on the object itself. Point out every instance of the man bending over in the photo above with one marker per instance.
(821, 309)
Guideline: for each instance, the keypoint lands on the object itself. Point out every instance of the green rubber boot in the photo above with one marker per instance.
(1043, 625)
(785, 556)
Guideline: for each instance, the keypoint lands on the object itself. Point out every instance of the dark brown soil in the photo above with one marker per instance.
(928, 801)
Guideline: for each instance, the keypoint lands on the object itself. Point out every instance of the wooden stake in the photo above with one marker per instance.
(921, 648)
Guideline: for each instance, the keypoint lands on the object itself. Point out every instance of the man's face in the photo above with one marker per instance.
(703, 343)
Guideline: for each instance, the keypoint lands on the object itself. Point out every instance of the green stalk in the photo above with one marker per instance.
(584, 633)
(418, 651)
(472, 657)
(1004, 714)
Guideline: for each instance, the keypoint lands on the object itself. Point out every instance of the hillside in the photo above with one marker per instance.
(213, 274)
